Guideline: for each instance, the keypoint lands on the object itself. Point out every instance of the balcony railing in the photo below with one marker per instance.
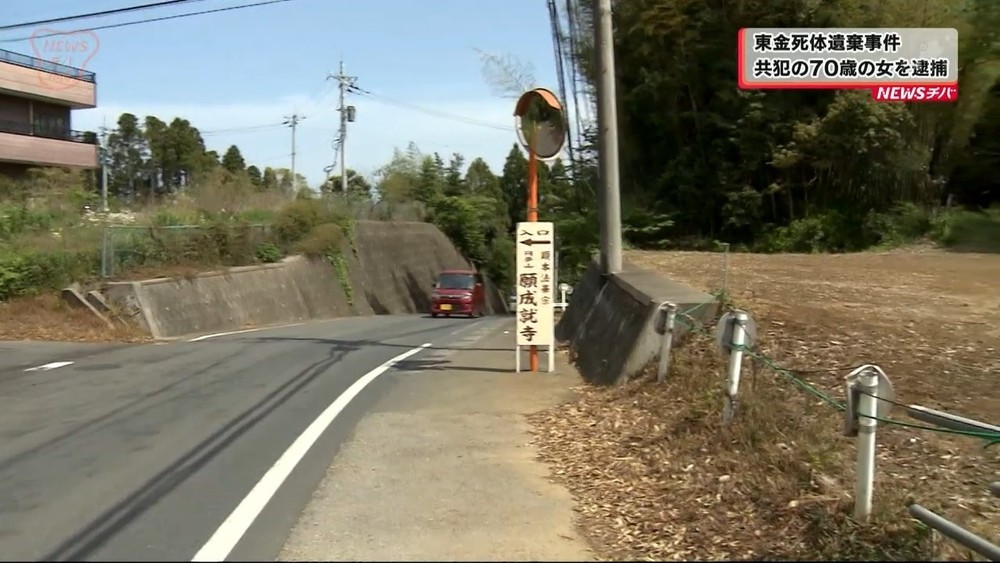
(27, 61)
(21, 128)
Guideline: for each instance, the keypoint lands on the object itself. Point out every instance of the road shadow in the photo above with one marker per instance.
(148, 400)
(107, 525)
(371, 342)
(444, 365)
(373, 301)
(419, 294)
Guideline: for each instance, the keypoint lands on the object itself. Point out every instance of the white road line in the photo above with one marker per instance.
(244, 331)
(222, 542)
(48, 366)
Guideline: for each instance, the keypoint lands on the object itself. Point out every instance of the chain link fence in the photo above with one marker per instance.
(127, 247)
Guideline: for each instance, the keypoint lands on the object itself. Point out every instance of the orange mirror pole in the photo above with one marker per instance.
(551, 143)
(532, 218)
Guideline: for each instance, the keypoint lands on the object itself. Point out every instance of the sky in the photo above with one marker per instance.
(252, 67)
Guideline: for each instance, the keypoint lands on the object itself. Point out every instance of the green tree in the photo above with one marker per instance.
(396, 181)
(702, 160)
(357, 186)
(232, 160)
(430, 181)
(269, 180)
(128, 151)
(514, 185)
(481, 181)
(453, 180)
(177, 154)
(975, 180)
(256, 177)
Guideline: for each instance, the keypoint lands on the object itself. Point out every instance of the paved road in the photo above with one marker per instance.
(443, 468)
(142, 452)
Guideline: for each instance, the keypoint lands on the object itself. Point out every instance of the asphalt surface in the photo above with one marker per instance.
(142, 452)
(443, 467)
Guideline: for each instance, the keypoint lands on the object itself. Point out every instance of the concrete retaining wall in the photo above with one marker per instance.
(391, 267)
(609, 321)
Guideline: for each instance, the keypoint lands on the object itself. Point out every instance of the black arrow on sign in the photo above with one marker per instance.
(532, 242)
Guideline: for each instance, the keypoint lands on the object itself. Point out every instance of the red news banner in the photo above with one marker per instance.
(896, 64)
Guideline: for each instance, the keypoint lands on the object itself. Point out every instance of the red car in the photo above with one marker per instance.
(458, 292)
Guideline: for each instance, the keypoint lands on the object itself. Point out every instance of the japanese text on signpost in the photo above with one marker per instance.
(535, 287)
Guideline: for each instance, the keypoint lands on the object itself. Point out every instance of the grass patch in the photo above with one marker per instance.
(971, 231)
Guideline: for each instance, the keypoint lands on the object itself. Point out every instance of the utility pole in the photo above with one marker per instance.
(607, 125)
(102, 154)
(104, 166)
(344, 82)
(293, 122)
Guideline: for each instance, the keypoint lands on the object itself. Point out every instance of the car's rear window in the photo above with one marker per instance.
(456, 281)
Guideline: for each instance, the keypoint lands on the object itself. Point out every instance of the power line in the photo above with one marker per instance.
(428, 111)
(98, 14)
(286, 156)
(243, 129)
(313, 104)
(316, 100)
(151, 20)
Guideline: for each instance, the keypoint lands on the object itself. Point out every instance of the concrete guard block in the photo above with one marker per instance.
(74, 298)
(609, 321)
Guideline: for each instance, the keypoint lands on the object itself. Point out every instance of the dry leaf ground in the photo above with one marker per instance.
(658, 477)
(48, 317)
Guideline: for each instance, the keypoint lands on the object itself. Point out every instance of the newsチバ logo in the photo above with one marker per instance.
(66, 55)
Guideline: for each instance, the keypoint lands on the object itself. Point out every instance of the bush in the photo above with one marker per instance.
(824, 232)
(322, 241)
(268, 253)
(173, 218)
(258, 216)
(833, 231)
(298, 219)
(970, 231)
(33, 272)
(227, 243)
(18, 219)
(904, 223)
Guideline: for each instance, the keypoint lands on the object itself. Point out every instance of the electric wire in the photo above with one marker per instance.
(89, 15)
(435, 113)
(151, 20)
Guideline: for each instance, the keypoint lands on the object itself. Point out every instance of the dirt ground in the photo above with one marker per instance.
(929, 319)
(660, 478)
(48, 317)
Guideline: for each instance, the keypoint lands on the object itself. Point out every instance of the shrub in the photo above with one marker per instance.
(322, 240)
(823, 232)
(173, 218)
(18, 219)
(970, 231)
(268, 253)
(28, 273)
(298, 219)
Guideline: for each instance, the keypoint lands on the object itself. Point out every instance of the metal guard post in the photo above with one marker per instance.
(955, 532)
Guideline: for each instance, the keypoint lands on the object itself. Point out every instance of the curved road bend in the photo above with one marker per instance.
(142, 452)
